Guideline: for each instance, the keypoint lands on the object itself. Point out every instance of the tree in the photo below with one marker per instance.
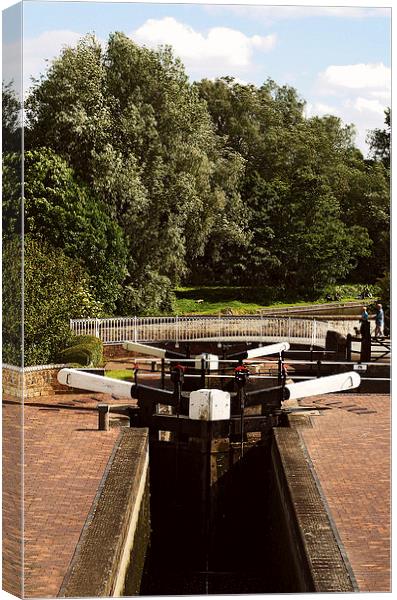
(137, 132)
(11, 121)
(379, 141)
(210, 180)
(292, 186)
(11, 194)
(62, 211)
(365, 202)
(12, 343)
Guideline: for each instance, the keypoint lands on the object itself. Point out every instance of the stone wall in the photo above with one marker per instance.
(31, 381)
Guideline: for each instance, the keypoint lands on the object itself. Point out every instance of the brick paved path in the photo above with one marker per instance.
(65, 458)
(12, 498)
(349, 446)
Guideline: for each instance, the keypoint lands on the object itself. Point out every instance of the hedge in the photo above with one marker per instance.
(85, 350)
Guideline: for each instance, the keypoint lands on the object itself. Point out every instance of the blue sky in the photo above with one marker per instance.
(337, 58)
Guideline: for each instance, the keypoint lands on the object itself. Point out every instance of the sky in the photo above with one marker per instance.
(337, 58)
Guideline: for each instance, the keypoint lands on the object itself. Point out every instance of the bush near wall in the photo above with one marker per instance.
(85, 350)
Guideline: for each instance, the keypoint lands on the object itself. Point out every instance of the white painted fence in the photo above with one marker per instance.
(181, 329)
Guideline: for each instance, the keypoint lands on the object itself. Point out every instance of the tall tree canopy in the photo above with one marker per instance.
(62, 211)
(138, 133)
(379, 141)
(293, 187)
(11, 119)
(146, 180)
(210, 179)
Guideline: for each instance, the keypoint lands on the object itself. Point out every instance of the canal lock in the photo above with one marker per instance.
(227, 514)
(216, 524)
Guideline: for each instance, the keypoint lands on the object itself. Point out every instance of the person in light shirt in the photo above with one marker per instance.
(379, 321)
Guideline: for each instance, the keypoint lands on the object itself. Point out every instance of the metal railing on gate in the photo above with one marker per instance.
(116, 330)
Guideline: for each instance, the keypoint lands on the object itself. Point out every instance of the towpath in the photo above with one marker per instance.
(348, 442)
(65, 457)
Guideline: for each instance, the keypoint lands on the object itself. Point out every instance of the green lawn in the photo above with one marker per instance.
(124, 374)
(244, 300)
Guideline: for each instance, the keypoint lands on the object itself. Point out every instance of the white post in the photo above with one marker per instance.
(176, 332)
(97, 327)
(135, 330)
(314, 332)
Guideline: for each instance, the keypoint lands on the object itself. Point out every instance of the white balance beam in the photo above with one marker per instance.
(266, 350)
(144, 349)
(95, 383)
(323, 385)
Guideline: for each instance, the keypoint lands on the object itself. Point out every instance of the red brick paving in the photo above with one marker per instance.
(350, 452)
(12, 500)
(65, 458)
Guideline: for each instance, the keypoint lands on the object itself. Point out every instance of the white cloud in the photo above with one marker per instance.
(372, 76)
(365, 105)
(360, 93)
(219, 49)
(320, 109)
(38, 51)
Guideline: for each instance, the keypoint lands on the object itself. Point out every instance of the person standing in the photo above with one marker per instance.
(364, 319)
(364, 314)
(379, 320)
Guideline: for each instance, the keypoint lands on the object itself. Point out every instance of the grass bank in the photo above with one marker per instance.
(248, 300)
(123, 374)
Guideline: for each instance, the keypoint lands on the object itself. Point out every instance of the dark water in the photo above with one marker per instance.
(214, 544)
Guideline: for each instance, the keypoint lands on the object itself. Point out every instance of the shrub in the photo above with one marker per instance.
(384, 289)
(85, 350)
(56, 289)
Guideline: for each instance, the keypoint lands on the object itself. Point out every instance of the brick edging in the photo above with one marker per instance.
(32, 368)
(330, 517)
(94, 568)
(321, 560)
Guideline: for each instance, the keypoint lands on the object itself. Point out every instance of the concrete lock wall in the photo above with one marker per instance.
(110, 555)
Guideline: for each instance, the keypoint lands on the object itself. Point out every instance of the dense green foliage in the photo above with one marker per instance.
(379, 141)
(10, 117)
(84, 350)
(316, 207)
(56, 290)
(138, 134)
(62, 211)
(384, 290)
(12, 301)
(144, 181)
